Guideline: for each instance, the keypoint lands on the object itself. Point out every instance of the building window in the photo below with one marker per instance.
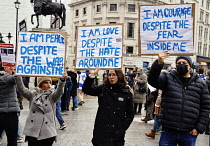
(201, 16)
(113, 7)
(206, 33)
(202, 3)
(84, 11)
(130, 30)
(199, 48)
(98, 8)
(75, 32)
(131, 8)
(112, 22)
(129, 50)
(200, 31)
(207, 18)
(77, 13)
(207, 5)
(97, 23)
(204, 49)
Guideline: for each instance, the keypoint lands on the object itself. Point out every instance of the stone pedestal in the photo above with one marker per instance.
(48, 30)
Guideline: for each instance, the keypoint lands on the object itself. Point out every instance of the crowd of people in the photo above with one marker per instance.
(178, 100)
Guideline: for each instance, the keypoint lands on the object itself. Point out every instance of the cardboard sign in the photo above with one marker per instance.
(166, 27)
(41, 54)
(99, 45)
(7, 55)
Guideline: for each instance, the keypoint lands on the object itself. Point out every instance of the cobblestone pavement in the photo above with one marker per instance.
(80, 125)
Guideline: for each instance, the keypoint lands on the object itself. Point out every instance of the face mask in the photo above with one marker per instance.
(182, 69)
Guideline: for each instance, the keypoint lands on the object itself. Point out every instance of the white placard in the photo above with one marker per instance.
(40, 54)
(100, 46)
(166, 27)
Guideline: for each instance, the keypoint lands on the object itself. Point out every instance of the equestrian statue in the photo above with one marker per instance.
(47, 7)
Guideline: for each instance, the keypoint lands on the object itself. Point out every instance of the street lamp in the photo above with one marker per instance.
(9, 37)
(17, 4)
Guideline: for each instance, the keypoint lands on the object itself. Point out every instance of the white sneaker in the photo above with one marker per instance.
(62, 126)
(20, 140)
(64, 113)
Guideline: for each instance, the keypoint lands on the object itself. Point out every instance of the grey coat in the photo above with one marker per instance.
(8, 95)
(140, 97)
(41, 119)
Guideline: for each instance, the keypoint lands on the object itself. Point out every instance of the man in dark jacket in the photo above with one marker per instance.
(185, 101)
(8, 105)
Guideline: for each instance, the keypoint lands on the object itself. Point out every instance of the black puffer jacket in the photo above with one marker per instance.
(115, 113)
(183, 108)
(208, 83)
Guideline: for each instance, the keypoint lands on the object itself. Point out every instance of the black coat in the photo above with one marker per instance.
(183, 107)
(73, 76)
(208, 83)
(115, 113)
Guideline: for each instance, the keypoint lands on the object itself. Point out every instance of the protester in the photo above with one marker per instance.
(66, 95)
(40, 125)
(115, 112)
(139, 97)
(73, 93)
(147, 71)
(81, 80)
(201, 74)
(96, 80)
(9, 107)
(185, 101)
(156, 115)
(104, 75)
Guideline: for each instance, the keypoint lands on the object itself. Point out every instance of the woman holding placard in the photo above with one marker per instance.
(40, 125)
(115, 112)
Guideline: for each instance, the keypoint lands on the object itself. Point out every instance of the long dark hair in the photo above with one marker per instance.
(121, 78)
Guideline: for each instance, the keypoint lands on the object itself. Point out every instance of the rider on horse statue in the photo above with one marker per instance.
(43, 3)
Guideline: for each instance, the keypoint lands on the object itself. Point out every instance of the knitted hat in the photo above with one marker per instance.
(40, 80)
(187, 58)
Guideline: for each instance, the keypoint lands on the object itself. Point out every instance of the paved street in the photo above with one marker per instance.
(80, 125)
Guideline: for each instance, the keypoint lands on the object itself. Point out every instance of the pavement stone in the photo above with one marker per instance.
(80, 127)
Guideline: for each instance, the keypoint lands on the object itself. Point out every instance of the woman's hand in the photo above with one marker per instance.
(64, 76)
(94, 72)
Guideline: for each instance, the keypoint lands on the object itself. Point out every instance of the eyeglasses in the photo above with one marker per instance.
(113, 75)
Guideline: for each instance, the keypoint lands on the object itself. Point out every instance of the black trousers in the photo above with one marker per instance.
(9, 123)
(32, 141)
(135, 107)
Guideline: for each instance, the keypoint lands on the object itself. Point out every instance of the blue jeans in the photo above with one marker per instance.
(171, 137)
(156, 125)
(58, 112)
(19, 135)
(75, 101)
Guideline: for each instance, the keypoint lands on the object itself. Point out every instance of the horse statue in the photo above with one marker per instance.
(47, 7)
